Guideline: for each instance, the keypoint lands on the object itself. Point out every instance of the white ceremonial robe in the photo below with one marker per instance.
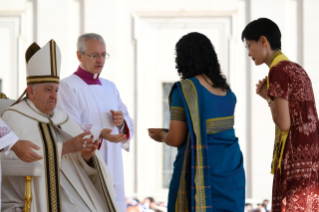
(7, 138)
(67, 182)
(91, 105)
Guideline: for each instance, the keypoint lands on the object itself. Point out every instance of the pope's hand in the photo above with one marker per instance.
(23, 149)
(118, 118)
(78, 144)
(106, 134)
(88, 152)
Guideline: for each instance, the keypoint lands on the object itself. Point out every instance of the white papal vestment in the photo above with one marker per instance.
(67, 182)
(7, 137)
(91, 105)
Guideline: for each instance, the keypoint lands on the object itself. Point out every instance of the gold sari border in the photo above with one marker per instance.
(191, 97)
(178, 114)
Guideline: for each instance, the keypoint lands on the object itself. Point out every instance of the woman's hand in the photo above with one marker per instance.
(261, 88)
(156, 134)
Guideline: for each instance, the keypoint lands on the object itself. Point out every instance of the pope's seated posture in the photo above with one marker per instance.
(74, 177)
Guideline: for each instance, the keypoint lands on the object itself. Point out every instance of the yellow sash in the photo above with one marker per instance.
(281, 136)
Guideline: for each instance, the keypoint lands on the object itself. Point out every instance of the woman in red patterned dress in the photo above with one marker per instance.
(289, 93)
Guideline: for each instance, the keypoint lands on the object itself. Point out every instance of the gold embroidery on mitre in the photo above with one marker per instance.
(54, 71)
(42, 80)
(33, 48)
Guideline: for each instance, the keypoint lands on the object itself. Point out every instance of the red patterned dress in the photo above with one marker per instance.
(296, 188)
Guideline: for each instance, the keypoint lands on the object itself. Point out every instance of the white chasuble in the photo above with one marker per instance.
(67, 182)
(7, 138)
(90, 106)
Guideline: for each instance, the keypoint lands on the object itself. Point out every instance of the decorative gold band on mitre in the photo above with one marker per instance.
(54, 71)
(42, 80)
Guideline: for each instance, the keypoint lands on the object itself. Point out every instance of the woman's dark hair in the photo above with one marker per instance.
(195, 55)
(263, 27)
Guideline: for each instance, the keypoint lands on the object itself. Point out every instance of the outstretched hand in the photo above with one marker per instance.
(23, 149)
(156, 134)
(106, 134)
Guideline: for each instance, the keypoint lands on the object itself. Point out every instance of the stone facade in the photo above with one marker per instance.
(140, 36)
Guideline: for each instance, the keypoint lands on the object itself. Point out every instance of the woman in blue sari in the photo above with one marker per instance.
(208, 170)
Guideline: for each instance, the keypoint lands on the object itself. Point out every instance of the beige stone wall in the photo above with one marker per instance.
(140, 37)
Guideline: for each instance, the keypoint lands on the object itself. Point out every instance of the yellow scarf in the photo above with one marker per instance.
(281, 136)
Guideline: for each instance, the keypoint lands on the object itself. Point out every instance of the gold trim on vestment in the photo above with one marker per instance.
(51, 168)
(11, 109)
(67, 119)
(107, 197)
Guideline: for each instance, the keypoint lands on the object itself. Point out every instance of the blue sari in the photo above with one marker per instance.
(208, 171)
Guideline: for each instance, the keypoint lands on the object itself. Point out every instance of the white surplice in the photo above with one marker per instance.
(90, 106)
(67, 182)
(7, 138)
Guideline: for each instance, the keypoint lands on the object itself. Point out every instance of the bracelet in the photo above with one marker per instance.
(163, 136)
(269, 101)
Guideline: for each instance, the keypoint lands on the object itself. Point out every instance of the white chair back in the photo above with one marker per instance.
(4, 104)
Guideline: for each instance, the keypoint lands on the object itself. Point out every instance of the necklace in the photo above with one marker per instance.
(211, 84)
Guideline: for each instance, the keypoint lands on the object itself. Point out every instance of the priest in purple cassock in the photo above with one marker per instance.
(95, 103)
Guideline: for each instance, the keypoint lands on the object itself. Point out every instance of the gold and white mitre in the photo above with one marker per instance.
(43, 64)
(66, 181)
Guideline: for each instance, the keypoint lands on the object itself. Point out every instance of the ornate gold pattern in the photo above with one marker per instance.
(216, 125)
(178, 114)
(27, 194)
(44, 79)
(191, 97)
(3, 96)
(107, 197)
(51, 163)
